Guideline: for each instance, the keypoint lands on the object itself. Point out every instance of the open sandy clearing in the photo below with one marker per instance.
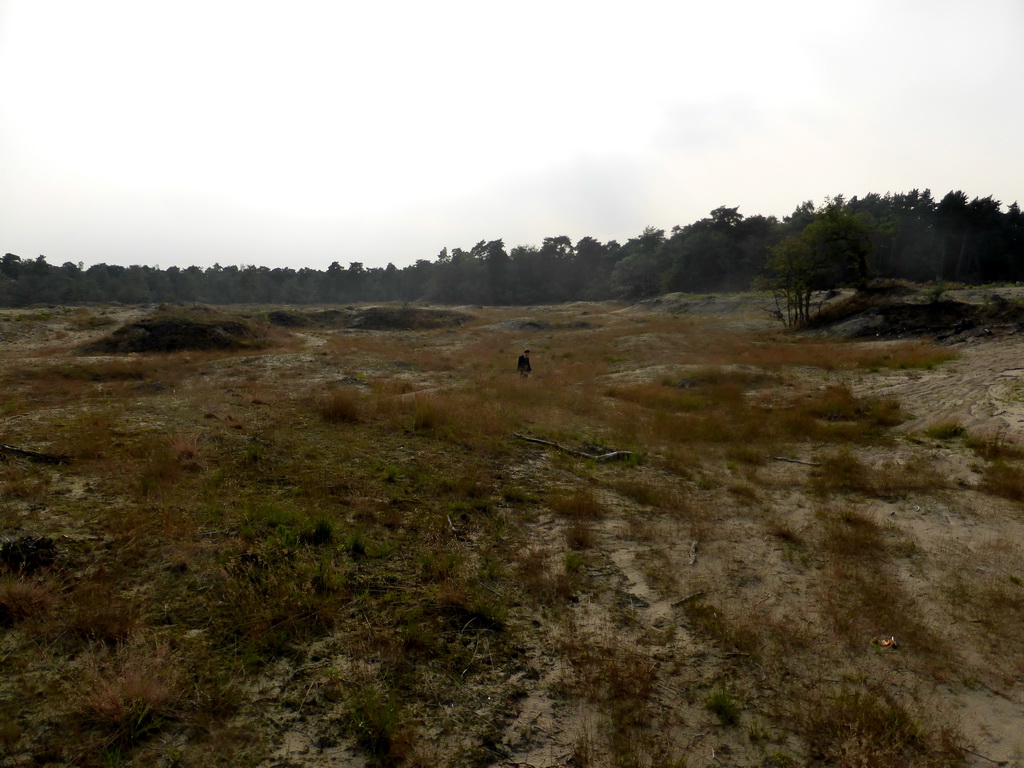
(633, 593)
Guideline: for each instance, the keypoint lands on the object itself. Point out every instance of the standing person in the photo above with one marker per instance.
(524, 364)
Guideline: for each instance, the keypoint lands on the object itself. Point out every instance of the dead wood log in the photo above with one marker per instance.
(610, 456)
(46, 458)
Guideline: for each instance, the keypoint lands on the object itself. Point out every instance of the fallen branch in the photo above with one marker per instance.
(611, 456)
(46, 458)
(796, 461)
(614, 456)
(553, 445)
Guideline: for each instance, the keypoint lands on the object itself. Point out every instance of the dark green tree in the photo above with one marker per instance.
(831, 251)
(638, 273)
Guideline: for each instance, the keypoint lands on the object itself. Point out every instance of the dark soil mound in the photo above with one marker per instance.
(370, 318)
(406, 318)
(886, 314)
(530, 325)
(939, 318)
(327, 318)
(286, 319)
(184, 331)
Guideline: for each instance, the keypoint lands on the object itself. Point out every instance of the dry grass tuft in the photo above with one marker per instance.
(747, 453)
(580, 534)
(579, 504)
(439, 565)
(19, 482)
(906, 355)
(23, 599)
(851, 535)
(342, 406)
(871, 727)
(187, 451)
(647, 491)
(839, 404)
(614, 671)
(831, 355)
(430, 413)
(739, 634)
(842, 471)
(83, 319)
(995, 445)
(97, 613)
(129, 692)
(540, 580)
(90, 436)
(159, 465)
(946, 430)
(1001, 478)
(784, 531)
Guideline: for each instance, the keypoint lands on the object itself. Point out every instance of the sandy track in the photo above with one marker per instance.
(983, 390)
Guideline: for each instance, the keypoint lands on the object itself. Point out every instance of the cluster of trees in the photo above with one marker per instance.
(906, 235)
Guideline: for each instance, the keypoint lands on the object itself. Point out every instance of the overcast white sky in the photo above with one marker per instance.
(304, 132)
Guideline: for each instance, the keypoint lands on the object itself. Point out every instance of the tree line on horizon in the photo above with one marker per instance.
(909, 236)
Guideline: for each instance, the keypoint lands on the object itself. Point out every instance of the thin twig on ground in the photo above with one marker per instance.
(610, 456)
(688, 598)
(796, 461)
(996, 762)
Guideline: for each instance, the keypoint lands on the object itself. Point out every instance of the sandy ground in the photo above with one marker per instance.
(983, 390)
